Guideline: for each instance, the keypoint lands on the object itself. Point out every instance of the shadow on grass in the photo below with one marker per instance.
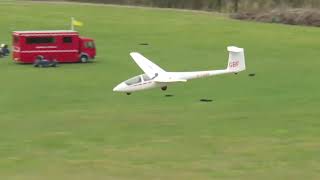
(206, 100)
(169, 95)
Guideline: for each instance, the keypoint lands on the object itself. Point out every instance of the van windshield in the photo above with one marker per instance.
(89, 44)
(134, 80)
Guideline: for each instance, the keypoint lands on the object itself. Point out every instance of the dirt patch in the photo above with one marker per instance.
(307, 17)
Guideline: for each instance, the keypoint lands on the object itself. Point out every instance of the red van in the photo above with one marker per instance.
(62, 46)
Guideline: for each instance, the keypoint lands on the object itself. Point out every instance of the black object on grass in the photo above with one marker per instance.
(206, 100)
(168, 95)
(252, 74)
(144, 44)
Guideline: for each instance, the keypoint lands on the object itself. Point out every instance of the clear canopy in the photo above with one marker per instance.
(146, 77)
(137, 79)
(134, 80)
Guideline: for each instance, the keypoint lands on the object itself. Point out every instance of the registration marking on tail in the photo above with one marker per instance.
(234, 64)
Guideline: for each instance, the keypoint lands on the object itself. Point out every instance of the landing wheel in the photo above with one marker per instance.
(128, 94)
(164, 88)
(84, 59)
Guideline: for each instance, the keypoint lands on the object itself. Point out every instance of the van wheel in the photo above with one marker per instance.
(84, 59)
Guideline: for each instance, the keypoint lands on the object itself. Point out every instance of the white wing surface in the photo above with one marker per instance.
(146, 65)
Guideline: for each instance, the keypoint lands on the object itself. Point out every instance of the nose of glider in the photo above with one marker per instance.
(119, 88)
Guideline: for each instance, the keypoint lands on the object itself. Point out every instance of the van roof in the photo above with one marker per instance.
(46, 32)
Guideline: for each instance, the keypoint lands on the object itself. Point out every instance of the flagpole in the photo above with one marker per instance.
(72, 26)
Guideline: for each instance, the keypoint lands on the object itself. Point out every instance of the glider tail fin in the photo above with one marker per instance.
(236, 61)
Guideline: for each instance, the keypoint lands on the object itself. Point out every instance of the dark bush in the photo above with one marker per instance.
(309, 17)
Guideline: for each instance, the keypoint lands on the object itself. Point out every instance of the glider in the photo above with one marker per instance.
(155, 77)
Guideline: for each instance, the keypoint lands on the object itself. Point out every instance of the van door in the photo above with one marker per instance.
(88, 48)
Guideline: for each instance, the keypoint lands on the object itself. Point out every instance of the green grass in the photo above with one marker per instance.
(66, 123)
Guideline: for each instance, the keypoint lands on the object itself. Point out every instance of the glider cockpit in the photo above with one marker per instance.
(135, 83)
(137, 80)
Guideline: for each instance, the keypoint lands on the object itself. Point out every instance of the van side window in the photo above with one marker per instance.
(67, 39)
(40, 40)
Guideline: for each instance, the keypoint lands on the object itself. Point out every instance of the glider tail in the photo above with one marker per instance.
(236, 61)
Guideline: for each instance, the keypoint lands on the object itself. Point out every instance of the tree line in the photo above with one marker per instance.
(215, 5)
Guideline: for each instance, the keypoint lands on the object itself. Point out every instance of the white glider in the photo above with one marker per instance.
(155, 76)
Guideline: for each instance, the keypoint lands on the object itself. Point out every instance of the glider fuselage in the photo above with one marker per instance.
(155, 76)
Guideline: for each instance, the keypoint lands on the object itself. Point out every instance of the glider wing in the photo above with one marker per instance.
(146, 65)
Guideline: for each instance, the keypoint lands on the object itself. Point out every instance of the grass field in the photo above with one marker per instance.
(66, 123)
